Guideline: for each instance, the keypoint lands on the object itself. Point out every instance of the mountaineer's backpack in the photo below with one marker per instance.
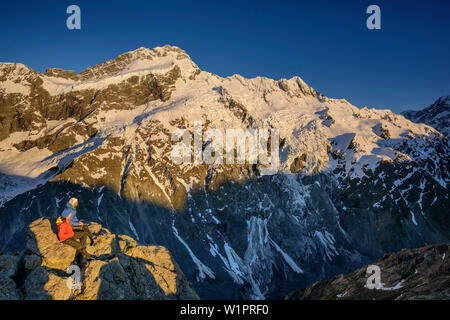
(64, 229)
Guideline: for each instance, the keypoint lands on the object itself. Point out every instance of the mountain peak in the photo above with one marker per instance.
(158, 50)
(140, 60)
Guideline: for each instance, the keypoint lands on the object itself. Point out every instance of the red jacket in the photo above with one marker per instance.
(64, 229)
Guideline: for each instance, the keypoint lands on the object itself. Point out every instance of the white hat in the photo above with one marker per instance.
(74, 202)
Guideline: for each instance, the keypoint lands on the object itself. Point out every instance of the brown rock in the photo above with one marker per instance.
(43, 285)
(164, 269)
(43, 241)
(126, 242)
(95, 227)
(298, 164)
(104, 245)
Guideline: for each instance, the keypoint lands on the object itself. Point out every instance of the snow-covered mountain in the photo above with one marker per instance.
(437, 115)
(352, 183)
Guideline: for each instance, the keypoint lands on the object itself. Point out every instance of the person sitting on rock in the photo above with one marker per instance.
(67, 236)
(76, 224)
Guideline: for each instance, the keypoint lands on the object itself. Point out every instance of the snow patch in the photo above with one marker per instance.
(133, 229)
(203, 269)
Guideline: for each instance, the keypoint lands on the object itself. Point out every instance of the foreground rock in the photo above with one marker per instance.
(122, 269)
(422, 273)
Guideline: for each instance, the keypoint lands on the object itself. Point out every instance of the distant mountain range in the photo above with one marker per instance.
(352, 183)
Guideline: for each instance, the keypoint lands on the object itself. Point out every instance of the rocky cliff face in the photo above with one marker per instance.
(352, 183)
(437, 115)
(422, 273)
(121, 269)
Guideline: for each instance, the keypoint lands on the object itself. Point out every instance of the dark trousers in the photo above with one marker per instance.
(84, 228)
(80, 245)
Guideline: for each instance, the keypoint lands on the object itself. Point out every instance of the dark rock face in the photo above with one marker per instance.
(413, 274)
(122, 269)
(298, 163)
(298, 235)
(382, 213)
(437, 115)
(78, 106)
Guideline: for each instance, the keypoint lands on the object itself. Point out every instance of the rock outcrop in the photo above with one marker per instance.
(409, 274)
(121, 269)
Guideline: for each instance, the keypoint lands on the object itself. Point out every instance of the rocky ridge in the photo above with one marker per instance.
(414, 274)
(121, 269)
(437, 115)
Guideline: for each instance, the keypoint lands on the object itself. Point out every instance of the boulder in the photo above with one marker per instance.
(9, 264)
(104, 245)
(164, 269)
(43, 241)
(298, 164)
(44, 285)
(8, 289)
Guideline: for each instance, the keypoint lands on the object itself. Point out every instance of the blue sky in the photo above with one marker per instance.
(405, 65)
